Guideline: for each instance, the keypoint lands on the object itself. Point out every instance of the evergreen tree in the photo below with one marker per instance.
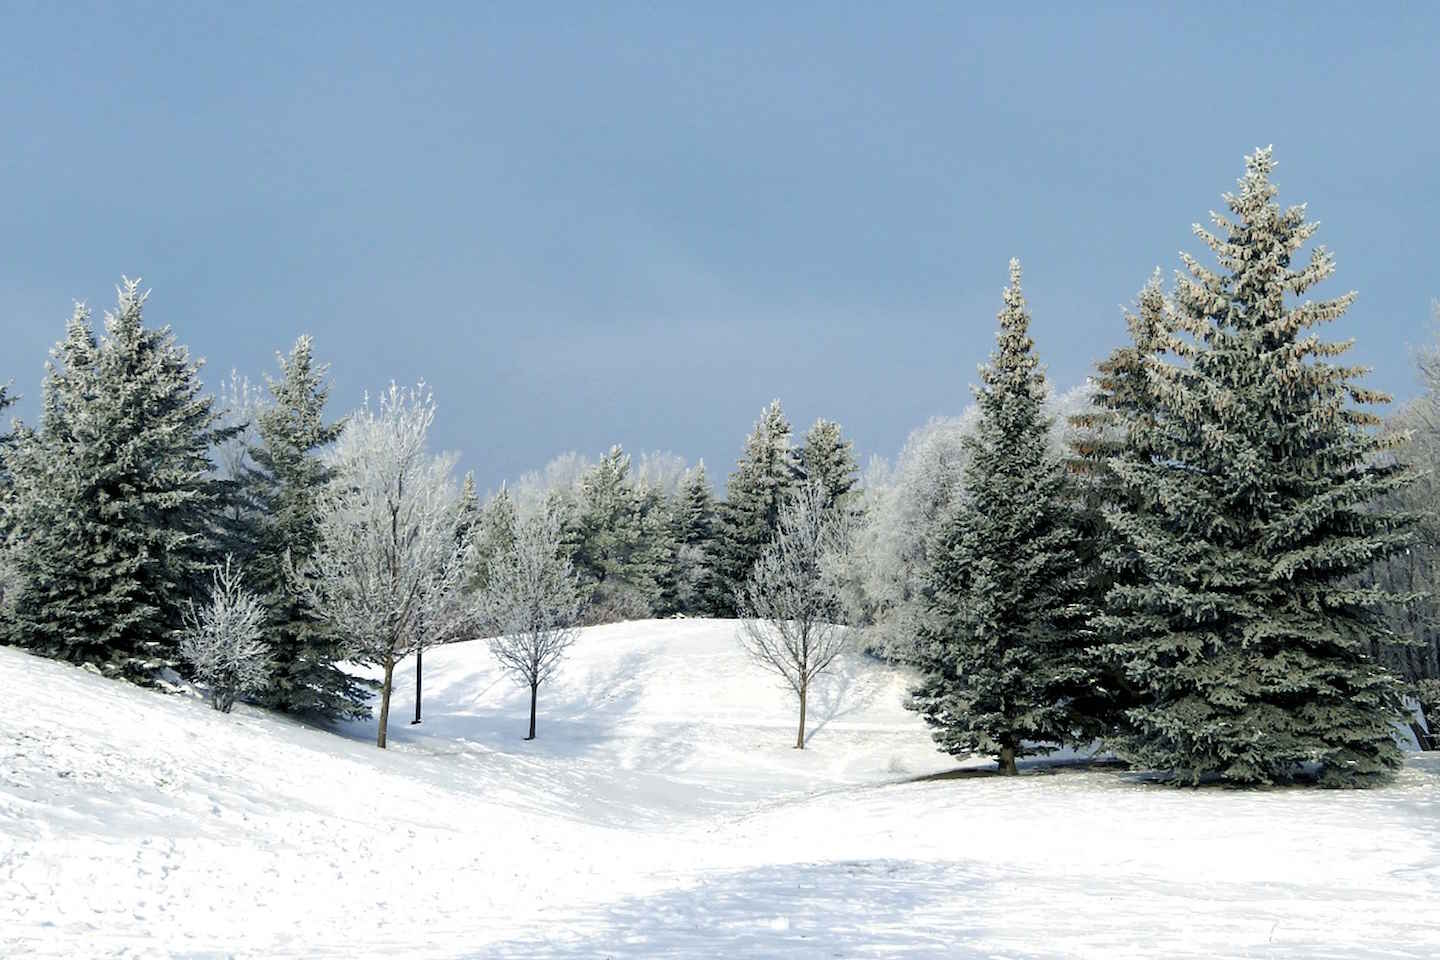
(1248, 522)
(7, 572)
(617, 543)
(827, 460)
(1121, 396)
(685, 577)
(287, 477)
(494, 537)
(764, 477)
(114, 496)
(7, 399)
(999, 659)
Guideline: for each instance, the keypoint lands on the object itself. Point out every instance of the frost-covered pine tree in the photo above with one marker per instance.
(618, 541)
(224, 639)
(1000, 655)
(1246, 628)
(685, 579)
(285, 479)
(827, 460)
(1415, 572)
(494, 535)
(531, 603)
(764, 477)
(1122, 412)
(114, 496)
(387, 571)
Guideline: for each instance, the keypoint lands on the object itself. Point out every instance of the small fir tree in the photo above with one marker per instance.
(763, 478)
(1000, 658)
(827, 460)
(685, 579)
(494, 535)
(1248, 524)
(617, 536)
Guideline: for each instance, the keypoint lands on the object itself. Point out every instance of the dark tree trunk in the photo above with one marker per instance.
(385, 701)
(800, 736)
(1007, 762)
(534, 689)
(419, 662)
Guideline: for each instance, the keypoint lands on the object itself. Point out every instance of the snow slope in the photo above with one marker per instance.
(660, 813)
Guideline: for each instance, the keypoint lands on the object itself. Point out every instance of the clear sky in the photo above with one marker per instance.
(596, 223)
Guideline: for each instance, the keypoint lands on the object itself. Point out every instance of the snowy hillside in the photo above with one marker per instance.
(660, 813)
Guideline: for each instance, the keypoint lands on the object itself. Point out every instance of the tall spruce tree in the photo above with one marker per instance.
(1121, 396)
(287, 476)
(1000, 658)
(827, 460)
(764, 477)
(685, 577)
(1247, 521)
(114, 496)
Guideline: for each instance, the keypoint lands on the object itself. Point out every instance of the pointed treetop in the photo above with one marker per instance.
(1013, 364)
(129, 305)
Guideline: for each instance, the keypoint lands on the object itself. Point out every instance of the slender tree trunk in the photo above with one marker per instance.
(534, 689)
(800, 736)
(385, 700)
(1007, 761)
(419, 662)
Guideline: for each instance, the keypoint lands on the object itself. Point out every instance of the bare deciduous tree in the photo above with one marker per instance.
(224, 639)
(532, 603)
(791, 603)
(389, 568)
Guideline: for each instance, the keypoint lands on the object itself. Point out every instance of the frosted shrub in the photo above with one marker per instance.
(223, 639)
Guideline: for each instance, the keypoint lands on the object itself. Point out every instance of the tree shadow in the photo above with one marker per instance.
(871, 907)
(837, 695)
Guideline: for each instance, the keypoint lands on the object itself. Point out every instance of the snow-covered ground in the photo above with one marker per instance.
(661, 813)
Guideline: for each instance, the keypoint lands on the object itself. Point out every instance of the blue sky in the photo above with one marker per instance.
(638, 224)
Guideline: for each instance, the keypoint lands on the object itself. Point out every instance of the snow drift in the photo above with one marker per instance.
(661, 812)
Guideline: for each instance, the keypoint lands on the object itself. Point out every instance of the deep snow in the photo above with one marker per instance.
(661, 812)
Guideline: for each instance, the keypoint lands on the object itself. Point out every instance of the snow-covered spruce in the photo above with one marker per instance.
(289, 472)
(1002, 654)
(1247, 522)
(618, 532)
(827, 460)
(1122, 407)
(113, 496)
(224, 639)
(763, 477)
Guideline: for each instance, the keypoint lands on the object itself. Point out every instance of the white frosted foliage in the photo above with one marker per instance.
(224, 639)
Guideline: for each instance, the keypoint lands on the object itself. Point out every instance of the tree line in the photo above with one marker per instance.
(1213, 557)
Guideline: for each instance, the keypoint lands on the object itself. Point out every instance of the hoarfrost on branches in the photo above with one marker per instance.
(791, 604)
(532, 603)
(389, 567)
(224, 640)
